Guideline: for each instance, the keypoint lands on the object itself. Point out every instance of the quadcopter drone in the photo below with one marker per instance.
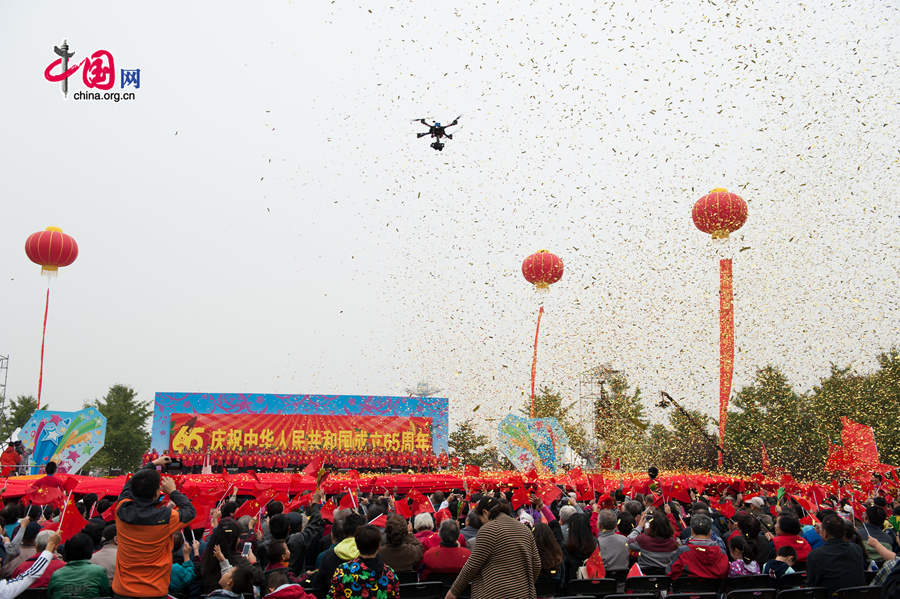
(437, 131)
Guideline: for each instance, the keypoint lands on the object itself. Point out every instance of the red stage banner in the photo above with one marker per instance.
(299, 432)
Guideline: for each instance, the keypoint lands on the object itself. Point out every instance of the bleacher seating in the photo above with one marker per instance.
(760, 593)
(804, 593)
(647, 584)
(691, 584)
(866, 592)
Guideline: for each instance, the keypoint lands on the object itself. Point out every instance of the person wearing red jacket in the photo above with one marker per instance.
(448, 557)
(701, 557)
(787, 532)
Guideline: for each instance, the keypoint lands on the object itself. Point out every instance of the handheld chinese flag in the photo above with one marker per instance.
(379, 521)
(594, 565)
(70, 523)
(312, 469)
(110, 514)
(348, 502)
(441, 515)
(328, 511)
(401, 506)
(520, 497)
(726, 509)
(634, 571)
(43, 495)
(549, 493)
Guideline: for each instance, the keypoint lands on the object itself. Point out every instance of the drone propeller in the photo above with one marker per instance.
(424, 118)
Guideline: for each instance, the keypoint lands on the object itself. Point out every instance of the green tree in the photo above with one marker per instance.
(770, 411)
(549, 404)
(469, 446)
(620, 424)
(685, 443)
(17, 414)
(127, 437)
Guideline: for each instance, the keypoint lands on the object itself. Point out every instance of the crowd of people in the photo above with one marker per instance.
(485, 544)
(275, 460)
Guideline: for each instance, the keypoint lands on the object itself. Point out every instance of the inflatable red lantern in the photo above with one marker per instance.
(542, 269)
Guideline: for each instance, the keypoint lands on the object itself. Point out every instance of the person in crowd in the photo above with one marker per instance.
(23, 543)
(41, 544)
(224, 550)
(873, 526)
(279, 559)
(702, 556)
(470, 530)
(79, 578)
(278, 528)
(144, 527)
(837, 563)
(566, 512)
(345, 550)
(184, 573)
(742, 552)
(782, 563)
(401, 550)
(9, 460)
(787, 532)
(423, 525)
(366, 575)
(613, 547)
(751, 529)
(106, 556)
(304, 540)
(505, 561)
(37, 566)
(578, 547)
(551, 555)
(889, 559)
(653, 538)
(234, 583)
(280, 587)
(448, 557)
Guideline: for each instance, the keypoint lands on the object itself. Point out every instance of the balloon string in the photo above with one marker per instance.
(43, 335)
(534, 359)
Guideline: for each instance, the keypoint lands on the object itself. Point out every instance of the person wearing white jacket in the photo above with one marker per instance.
(13, 587)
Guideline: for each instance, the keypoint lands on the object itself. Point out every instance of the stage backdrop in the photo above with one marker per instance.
(243, 421)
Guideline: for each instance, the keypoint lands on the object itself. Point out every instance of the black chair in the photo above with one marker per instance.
(647, 584)
(760, 593)
(751, 581)
(547, 588)
(868, 592)
(692, 596)
(407, 577)
(633, 595)
(791, 581)
(34, 593)
(692, 584)
(446, 579)
(617, 575)
(598, 588)
(423, 590)
(804, 593)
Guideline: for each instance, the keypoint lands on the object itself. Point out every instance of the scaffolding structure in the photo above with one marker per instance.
(594, 405)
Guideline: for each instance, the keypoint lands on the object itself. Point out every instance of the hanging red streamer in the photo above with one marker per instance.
(534, 359)
(726, 345)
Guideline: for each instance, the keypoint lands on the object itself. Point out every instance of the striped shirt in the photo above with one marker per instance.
(14, 586)
(505, 562)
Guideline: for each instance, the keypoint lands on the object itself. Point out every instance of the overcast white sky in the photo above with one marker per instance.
(262, 219)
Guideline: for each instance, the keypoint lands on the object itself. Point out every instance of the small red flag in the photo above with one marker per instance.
(520, 497)
(634, 571)
(549, 493)
(379, 521)
(328, 511)
(347, 502)
(594, 565)
(442, 515)
(313, 467)
(401, 506)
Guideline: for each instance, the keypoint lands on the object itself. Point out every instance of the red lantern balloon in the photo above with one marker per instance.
(542, 269)
(719, 213)
(51, 249)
